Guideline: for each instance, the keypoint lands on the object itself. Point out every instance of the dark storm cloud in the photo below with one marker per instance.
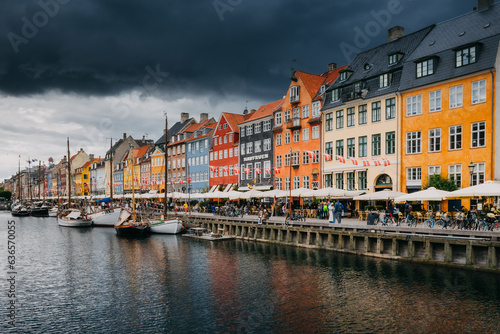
(220, 48)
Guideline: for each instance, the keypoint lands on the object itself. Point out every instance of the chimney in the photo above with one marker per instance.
(395, 33)
(184, 116)
(484, 4)
(91, 157)
(332, 67)
(203, 117)
(124, 135)
(143, 139)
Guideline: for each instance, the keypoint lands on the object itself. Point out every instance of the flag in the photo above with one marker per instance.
(327, 157)
(225, 169)
(163, 181)
(236, 171)
(188, 180)
(267, 170)
(212, 168)
(144, 180)
(311, 154)
(353, 160)
(341, 158)
(376, 162)
(172, 181)
(276, 170)
(180, 181)
(153, 181)
(257, 171)
(365, 162)
(247, 171)
(386, 161)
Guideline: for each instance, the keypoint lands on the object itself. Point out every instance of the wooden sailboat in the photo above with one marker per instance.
(72, 217)
(128, 225)
(166, 225)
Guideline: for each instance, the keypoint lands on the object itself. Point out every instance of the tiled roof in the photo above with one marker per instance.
(139, 152)
(233, 120)
(201, 136)
(174, 129)
(330, 78)
(312, 82)
(197, 126)
(264, 111)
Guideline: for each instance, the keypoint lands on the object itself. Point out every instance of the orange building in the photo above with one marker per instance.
(448, 96)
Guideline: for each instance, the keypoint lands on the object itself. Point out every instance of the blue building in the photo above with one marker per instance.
(197, 149)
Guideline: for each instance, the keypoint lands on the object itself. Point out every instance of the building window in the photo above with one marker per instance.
(414, 105)
(250, 172)
(350, 180)
(362, 181)
(296, 113)
(287, 116)
(287, 183)
(390, 108)
(434, 170)
(305, 134)
(249, 130)
(478, 134)
(350, 117)
(455, 174)
(376, 145)
(363, 146)
(279, 161)
(287, 159)
(230, 153)
(278, 139)
(351, 147)
(478, 175)
(435, 140)
(479, 91)
(315, 132)
(258, 146)
(225, 139)
(296, 136)
(267, 144)
(329, 122)
(294, 94)
(335, 94)
(315, 159)
(465, 56)
(329, 148)
(339, 180)
(277, 118)
(376, 111)
(425, 68)
(456, 97)
(249, 147)
(243, 149)
(236, 151)
(266, 125)
(393, 59)
(225, 154)
(316, 109)
(383, 80)
(328, 181)
(305, 181)
(455, 137)
(362, 118)
(305, 158)
(339, 148)
(414, 174)
(287, 137)
(435, 101)
(340, 119)
(305, 111)
(242, 131)
(267, 169)
(258, 128)
(390, 142)
(343, 76)
(295, 159)
(279, 184)
(414, 142)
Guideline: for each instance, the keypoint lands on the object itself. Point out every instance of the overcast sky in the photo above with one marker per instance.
(92, 70)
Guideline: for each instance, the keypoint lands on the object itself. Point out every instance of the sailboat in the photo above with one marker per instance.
(72, 217)
(128, 225)
(18, 210)
(165, 225)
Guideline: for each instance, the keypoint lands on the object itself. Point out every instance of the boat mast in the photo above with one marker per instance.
(20, 195)
(111, 169)
(69, 176)
(39, 179)
(131, 159)
(166, 169)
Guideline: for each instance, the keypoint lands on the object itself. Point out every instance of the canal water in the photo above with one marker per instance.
(91, 281)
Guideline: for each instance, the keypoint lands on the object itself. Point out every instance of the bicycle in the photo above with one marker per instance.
(385, 222)
(297, 217)
(409, 220)
(431, 221)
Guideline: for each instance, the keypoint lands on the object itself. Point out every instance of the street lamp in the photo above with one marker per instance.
(471, 171)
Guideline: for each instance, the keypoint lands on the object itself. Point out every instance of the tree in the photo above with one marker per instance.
(5, 194)
(439, 182)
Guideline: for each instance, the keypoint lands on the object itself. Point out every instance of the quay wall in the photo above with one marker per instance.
(450, 248)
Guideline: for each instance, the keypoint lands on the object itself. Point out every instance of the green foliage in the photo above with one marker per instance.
(5, 194)
(439, 182)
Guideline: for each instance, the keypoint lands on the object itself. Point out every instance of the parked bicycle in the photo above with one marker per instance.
(409, 220)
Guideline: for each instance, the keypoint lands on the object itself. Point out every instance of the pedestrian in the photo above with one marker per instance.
(331, 216)
(260, 217)
(325, 210)
(407, 209)
(339, 208)
(390, 210)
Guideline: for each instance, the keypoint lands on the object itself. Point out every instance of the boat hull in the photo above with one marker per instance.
(20, 213)
(105, 218)
(132, 231)
(74, 222)
(39, 212)
(170, 226)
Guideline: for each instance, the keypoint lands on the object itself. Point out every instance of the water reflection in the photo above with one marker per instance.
(89, 280)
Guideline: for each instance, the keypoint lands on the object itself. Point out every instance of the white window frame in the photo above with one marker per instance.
(456, 96)
(480, 128)
(414, 142)
(478, 93)
(455, 135)
(414, 105)
(435, 101)
(435, 140)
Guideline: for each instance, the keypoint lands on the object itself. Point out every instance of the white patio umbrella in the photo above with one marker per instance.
(217, 194)
(329, 192)
(383, 195)
(233, 195)
(253, 193)
(302, 192)
(489, 189)
(429, 194)
(275, 193)
(198, 196)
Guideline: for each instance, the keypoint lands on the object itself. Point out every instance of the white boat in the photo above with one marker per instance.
(166, 226)
(73, 218)
(106, 217)
(54, 212)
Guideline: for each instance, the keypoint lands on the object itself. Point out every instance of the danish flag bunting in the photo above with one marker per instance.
(188, 180)
(236, 171)
(172, 181)
(258, 171)
(225, 169)
(247, 171)
(327, 157)
(267, 170)
(144, 180)
(353, 160)
(276, 170)
(153, 182)
(376, 162)
(212, 168)
(180, 181)
(311, 154)
(163, 181)
(386, 161)
(365, 162)
(341, 159)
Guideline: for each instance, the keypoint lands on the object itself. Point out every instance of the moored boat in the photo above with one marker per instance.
(105, 217)
(54, 212)
(129, 227)
(37, 211)
(166, 226)
(73, 218)
(20, 211)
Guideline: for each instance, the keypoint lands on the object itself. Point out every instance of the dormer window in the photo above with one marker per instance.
(425, 68)
(336, 94)
(384, 80)
(322, 89)
(294, 94)
(343, 76)
(466, 56)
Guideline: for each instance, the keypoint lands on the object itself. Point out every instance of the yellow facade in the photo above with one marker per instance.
(157, 170)
(473, 118)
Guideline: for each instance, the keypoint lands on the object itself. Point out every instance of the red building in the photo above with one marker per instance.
(223, 157)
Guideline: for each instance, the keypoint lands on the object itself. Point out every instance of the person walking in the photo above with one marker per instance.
(390, 211)
(331, 216)
(339, 208)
